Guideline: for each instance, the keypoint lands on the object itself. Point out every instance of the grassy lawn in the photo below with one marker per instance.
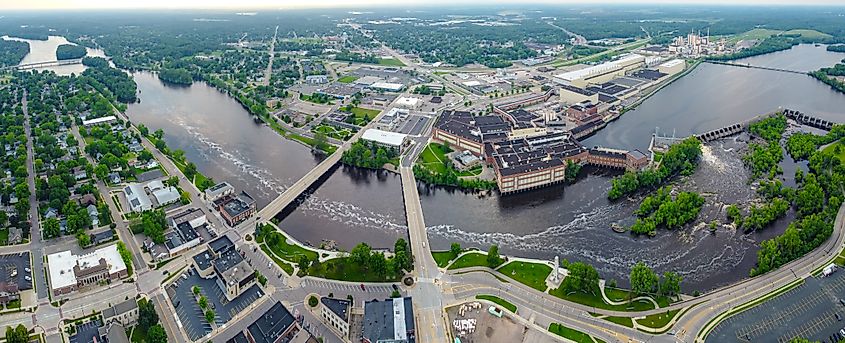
(443, 257)
(390, 62)
(4, 236)
(330, 131)
(137, 336)
(624, 321)
(761, 34)
(597, 302)
(434, 157)
(808, 33)
(475, 259)
(362, 116)
(282, 264)
(571, 334)
(347, 79)
(832, 149)
(345, 270)
(288, 251)
(499, 301)
(290, 135)
(474, 171)
(656, 321)
(531, 274)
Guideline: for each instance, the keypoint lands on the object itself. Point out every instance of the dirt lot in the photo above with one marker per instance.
(488, 328)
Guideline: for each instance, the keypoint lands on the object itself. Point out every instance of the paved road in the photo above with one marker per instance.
(35, 245)
(123, 231)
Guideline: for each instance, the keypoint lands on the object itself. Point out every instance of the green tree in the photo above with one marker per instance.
(670, 285)
(156, 334)
(455, 249)
(147, 316)
(83, 239)
(203, 302)
(18, 334)
(582, 277)
(643, 279)
(360, 254)
(209, 316)
(493, 258)
(51, 228)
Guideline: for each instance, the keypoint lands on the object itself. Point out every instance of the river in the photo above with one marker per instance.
(573, 221)
(45, 50)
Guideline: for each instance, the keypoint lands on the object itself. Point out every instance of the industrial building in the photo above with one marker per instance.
(462, 131)
(601, 73)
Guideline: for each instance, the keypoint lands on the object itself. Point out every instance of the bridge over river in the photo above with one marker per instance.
(734, 64)
(43, 64)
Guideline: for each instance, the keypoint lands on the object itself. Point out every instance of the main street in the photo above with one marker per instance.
(35, 244)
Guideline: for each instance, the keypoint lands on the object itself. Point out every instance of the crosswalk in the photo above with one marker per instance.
(337, 286)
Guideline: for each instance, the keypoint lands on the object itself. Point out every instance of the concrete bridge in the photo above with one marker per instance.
(34, 65)
(734, 64)
(808, 120)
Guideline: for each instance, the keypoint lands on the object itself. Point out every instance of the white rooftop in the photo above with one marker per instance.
(61, 264)
(598, 69)
(387, 86)
(384, 137)
(672, 63)
(96, 121)
(166, 195)
(407, 102)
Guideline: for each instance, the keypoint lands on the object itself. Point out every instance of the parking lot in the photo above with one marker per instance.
(15, 268)
(414, 125)
(189, 312)
(487, 327)
(809, 311)
(86, 332)
(375, 290)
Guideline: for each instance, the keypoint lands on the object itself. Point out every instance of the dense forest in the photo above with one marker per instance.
(768, 45)
(70, 52)
(106, 78)
(176, 75)
(12, 52)
(836, 48)
(680, 158)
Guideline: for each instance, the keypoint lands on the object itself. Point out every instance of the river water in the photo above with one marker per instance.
(45, 50)
(572, 221)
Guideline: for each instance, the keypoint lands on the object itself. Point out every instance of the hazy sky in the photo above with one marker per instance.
(71, 4)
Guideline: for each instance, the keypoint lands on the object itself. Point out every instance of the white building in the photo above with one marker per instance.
(385, 138)
(69, 272)
(672, 67)
(100, 120)
(408, 102)
(386, 86)
(138, 199)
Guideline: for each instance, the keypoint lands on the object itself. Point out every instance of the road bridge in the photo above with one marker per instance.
(34, 65)
(734, 64)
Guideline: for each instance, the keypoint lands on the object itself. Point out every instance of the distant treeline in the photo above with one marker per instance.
(12, 52)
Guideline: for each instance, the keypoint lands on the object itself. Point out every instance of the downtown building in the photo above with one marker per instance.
(69, 272)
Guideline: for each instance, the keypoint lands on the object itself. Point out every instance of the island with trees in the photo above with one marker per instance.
(70, 52)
